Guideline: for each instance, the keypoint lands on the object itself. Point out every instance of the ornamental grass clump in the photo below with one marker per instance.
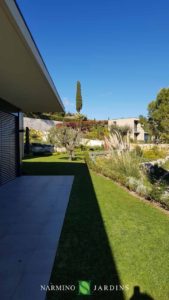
(126, 167)
(140, 186)
(126, 163)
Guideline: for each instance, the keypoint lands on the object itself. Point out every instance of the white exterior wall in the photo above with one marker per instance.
(141, 136)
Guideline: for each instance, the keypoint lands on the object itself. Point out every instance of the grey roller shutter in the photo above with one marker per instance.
(8, 147)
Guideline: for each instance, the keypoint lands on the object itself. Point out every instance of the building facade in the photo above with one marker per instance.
(25, 86)
(137, 132)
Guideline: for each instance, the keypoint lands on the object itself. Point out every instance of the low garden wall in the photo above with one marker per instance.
(92, 143)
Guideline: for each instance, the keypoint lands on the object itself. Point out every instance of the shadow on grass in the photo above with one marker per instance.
(84, 252)
(137, 295)
(77, 158)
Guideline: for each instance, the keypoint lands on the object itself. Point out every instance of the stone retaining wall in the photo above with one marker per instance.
(150, 146)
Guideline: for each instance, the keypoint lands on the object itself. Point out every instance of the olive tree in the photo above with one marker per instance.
(67, 137)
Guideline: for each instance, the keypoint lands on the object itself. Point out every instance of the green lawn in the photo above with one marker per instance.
(108, 237)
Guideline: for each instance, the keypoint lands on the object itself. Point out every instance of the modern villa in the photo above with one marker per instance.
(137, 132)
(25, 86)
(32, 208)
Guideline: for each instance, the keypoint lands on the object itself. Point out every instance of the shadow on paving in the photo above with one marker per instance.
(84, 252)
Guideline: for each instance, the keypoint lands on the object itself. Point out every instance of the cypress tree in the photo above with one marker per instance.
(78, 97)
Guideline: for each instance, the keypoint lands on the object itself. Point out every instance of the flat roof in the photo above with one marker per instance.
(24, 79)
(130, 118)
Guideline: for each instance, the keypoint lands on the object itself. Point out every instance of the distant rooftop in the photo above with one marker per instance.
(128, 118)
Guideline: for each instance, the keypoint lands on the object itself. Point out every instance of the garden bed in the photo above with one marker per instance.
(145, 183)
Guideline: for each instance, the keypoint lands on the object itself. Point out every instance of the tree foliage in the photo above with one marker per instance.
(157, 122)
(35, 136)
(78, 97)
(65, 137)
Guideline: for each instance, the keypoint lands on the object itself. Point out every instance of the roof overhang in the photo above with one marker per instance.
(24, 79)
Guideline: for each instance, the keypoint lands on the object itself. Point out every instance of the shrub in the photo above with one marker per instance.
(101, 165)
(139, 186)
(91, 129)
(138, 150)
(165, 198)
(35, 136)
(142, 189)
(157, 192)
(96, 148)
(96, 132)
(119, 165)
(132, 183)
(154, 153)
(126, 163)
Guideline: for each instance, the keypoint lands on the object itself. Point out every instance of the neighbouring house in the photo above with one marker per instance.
(137, 132)
(25, 86)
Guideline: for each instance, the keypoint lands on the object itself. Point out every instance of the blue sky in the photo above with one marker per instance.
(118, 49)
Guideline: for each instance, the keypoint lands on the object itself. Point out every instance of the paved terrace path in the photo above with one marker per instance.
(32, 210)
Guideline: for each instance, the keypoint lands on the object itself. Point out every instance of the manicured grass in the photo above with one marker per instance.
(108, 237)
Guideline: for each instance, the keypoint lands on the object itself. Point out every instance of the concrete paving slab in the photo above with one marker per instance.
(32, 211)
